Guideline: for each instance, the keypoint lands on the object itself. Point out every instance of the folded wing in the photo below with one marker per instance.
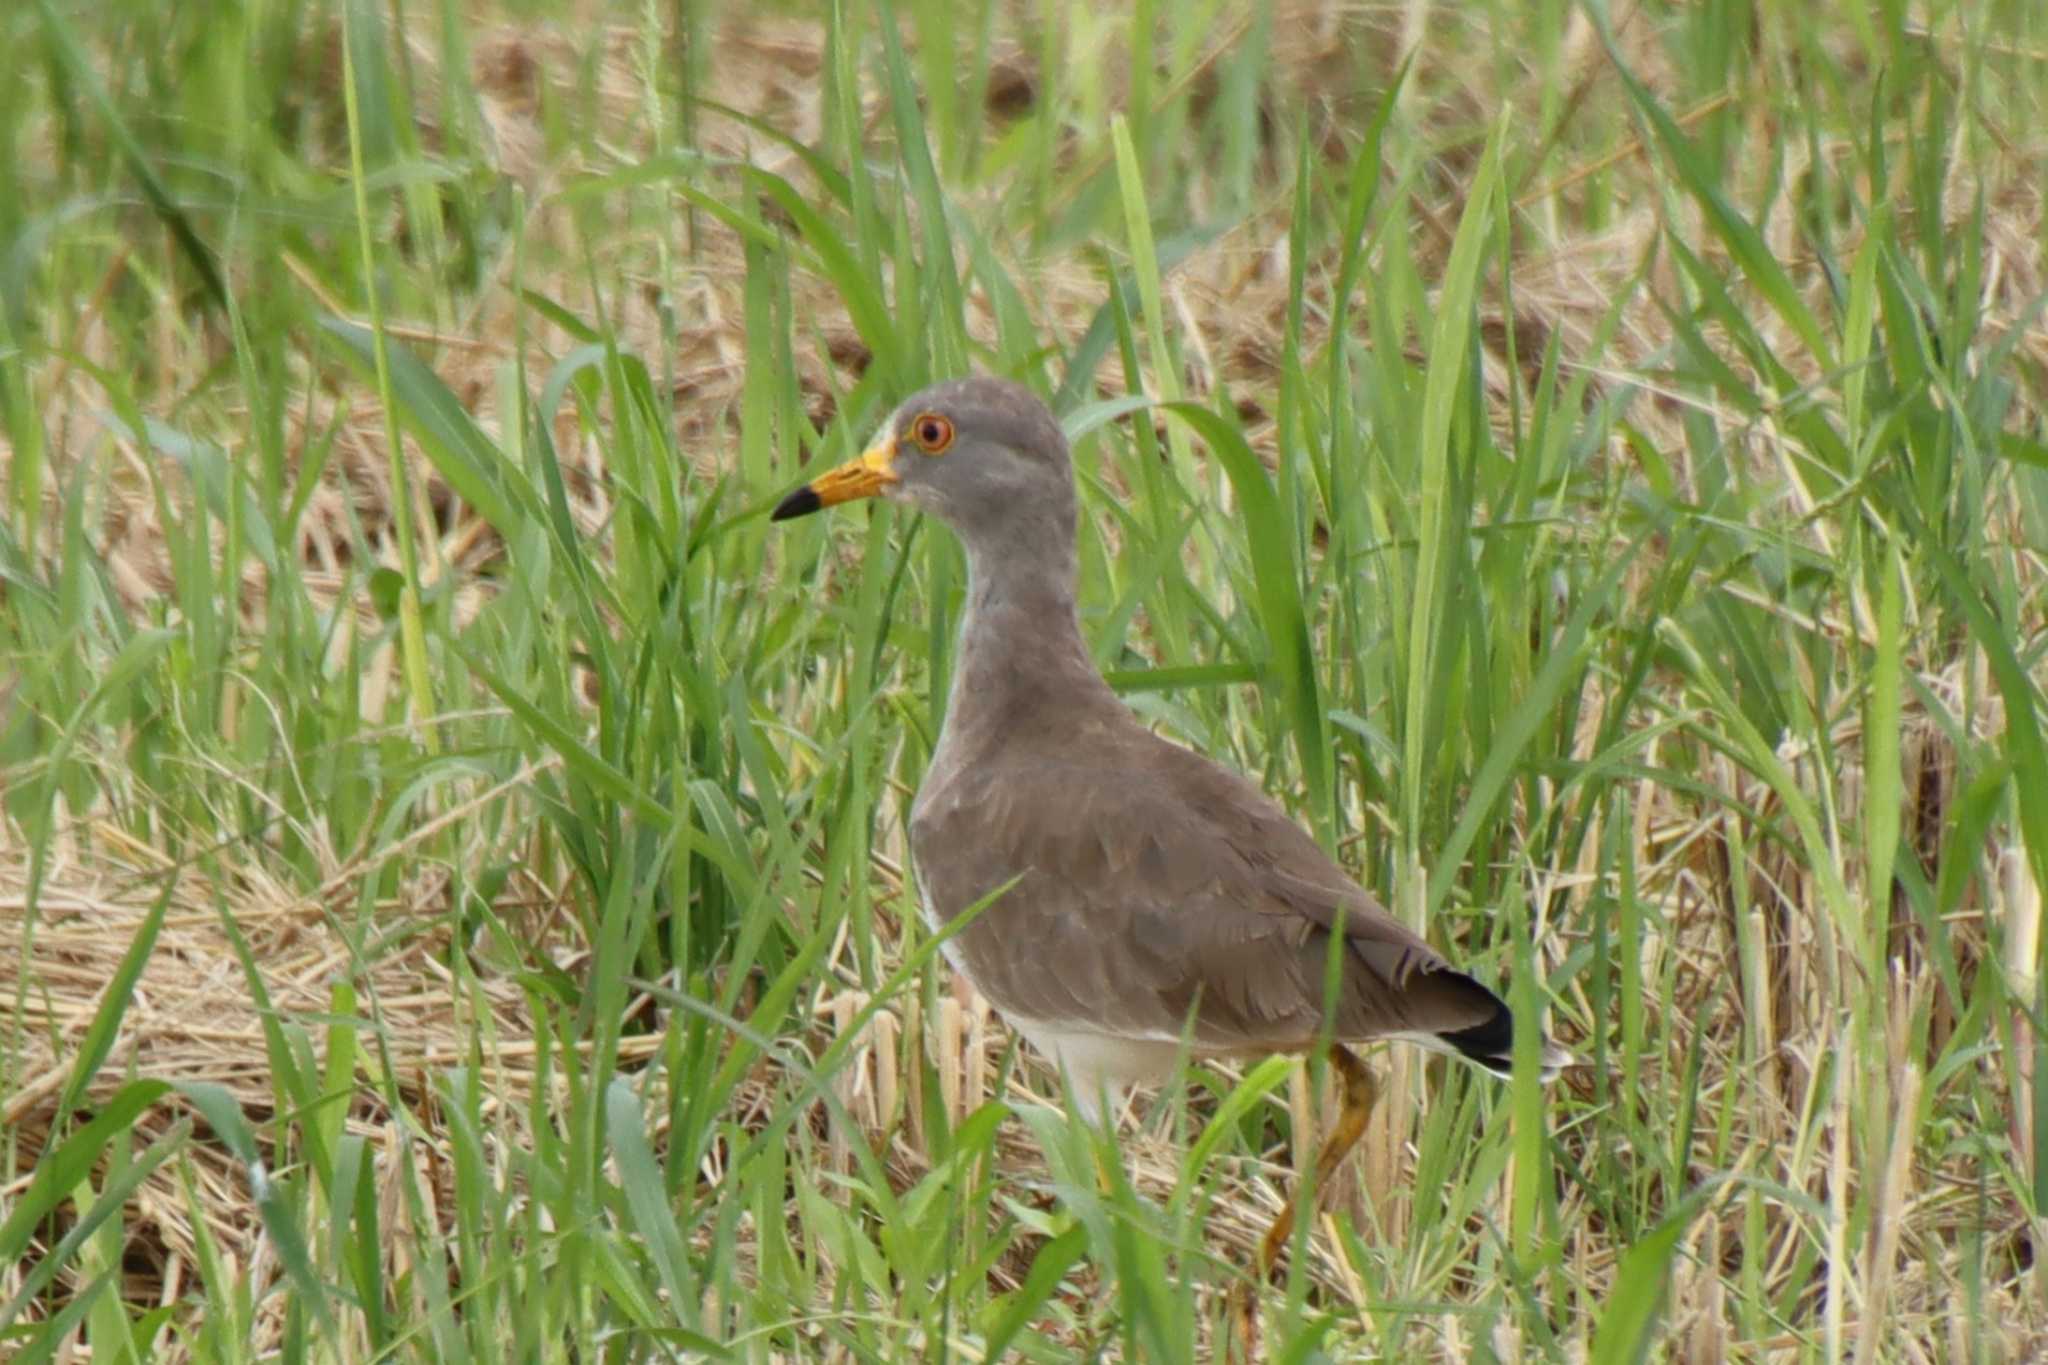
(1179, 899)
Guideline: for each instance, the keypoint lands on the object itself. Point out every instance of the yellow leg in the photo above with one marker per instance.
(1361, 1093)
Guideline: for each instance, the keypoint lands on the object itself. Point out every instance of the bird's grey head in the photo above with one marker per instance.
(982, 455)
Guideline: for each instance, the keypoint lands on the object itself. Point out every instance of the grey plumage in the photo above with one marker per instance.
(1158, 895)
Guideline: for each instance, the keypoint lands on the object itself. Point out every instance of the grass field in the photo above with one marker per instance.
(1589, 462)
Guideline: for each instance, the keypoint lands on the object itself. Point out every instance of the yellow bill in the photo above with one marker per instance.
(861, 478)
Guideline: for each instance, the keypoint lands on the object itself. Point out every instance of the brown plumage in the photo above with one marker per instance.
(1173, 897)
(1158, 896)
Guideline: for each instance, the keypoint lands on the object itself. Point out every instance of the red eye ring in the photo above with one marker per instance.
(932, 433)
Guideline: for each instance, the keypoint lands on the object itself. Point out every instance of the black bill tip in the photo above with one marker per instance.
(801, 503)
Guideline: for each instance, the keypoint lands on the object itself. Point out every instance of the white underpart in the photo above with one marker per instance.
(1428, 1042)
(1098, 1066)
(1553, 1060)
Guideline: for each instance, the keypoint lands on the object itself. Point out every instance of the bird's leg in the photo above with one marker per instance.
(1361, 1093)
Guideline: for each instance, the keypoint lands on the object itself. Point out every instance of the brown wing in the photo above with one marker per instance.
(1154, 883)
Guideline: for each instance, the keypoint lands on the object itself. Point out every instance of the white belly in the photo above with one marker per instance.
(1097, 1065)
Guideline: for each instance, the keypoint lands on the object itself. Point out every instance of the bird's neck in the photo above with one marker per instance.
(1023, 670)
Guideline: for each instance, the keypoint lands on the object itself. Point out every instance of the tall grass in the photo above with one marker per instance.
(1590, 466)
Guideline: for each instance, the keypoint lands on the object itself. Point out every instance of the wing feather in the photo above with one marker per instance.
(1160, 892)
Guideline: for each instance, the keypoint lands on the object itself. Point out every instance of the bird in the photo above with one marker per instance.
(1149, 903)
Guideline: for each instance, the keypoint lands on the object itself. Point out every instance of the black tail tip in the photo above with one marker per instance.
(1491, 1045)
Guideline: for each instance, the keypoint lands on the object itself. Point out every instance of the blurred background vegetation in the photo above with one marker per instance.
(1587, 460)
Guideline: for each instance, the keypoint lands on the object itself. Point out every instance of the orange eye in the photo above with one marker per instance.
(932, 433)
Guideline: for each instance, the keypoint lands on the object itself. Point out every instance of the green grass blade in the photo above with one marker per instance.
(79, 69)
(1279, 591)
(114, 1001)
(1449, 351)
(646, 1194)
(475, 469)
(1743, 241)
